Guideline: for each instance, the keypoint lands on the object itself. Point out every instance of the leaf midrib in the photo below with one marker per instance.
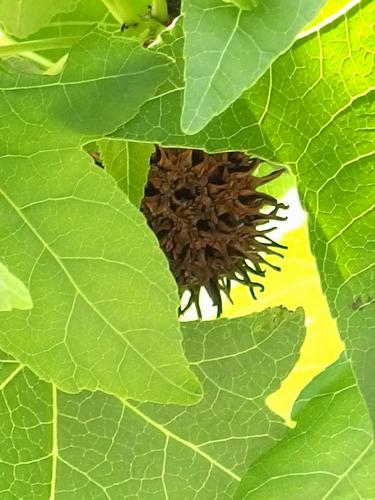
(61, 83)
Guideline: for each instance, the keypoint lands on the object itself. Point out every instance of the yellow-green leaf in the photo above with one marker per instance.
(13, 293)
(105, 303)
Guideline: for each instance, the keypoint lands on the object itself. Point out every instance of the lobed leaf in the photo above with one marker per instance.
(331, 452)
(105, 303)
(227, 49)
(103, 84)
(91, 445)
(313, 111)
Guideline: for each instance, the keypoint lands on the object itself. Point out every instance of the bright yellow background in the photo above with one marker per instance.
(296, 285)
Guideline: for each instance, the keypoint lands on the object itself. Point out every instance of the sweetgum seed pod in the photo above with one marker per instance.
(206, 211)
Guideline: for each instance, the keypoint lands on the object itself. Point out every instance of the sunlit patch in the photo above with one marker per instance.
(297, 285)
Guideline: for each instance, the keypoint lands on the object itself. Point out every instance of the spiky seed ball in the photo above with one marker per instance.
(206, 212)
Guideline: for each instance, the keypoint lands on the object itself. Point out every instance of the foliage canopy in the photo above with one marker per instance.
(104, 393)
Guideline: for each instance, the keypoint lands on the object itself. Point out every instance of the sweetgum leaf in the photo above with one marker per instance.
(313, 111)
(128, 163)
(91, 445)
(21, 18)
(334, 174)
(331, 452)
(227, 49)
(13, 293)
(243, 4)
(331, 10)
(88, 15)
(103, 84)
(105, 303)
(280, 186)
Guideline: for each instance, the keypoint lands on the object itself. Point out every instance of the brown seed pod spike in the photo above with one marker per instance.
(206, 211)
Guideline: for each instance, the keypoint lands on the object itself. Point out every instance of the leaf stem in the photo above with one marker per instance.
(37, 45)
(159, 10)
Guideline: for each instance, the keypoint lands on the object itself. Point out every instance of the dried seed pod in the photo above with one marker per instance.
(206, 211)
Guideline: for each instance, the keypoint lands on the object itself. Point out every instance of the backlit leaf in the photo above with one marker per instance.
(13, 293)
(243, 4)
(105, 303)
(330, 454)
(91, 445)
(314, 111)
(21, 18)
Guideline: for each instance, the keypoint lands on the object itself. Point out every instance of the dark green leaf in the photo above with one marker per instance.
(104, 82)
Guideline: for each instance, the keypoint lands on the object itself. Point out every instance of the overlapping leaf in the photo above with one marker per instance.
(104, 82)
(332, 10)
(330, 454)
(13, 293)
(128, 163)
(105, 303)
(24, 17)
(88, 15)
(91, 445)
(228, 48)
(314, 110)
(243, 4)
(159, 119)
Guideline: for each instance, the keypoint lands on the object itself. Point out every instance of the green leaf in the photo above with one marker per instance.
(331, 11)
(330, 454)
(227, 49)
(85, 102)
(85, 17)
(128, 11)
(244, 4)
(13, 293)
(91, 445)
(24, 17)
(105, 303)
(128, 163)
(301, 113)
(334, 174)
(280, 186)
